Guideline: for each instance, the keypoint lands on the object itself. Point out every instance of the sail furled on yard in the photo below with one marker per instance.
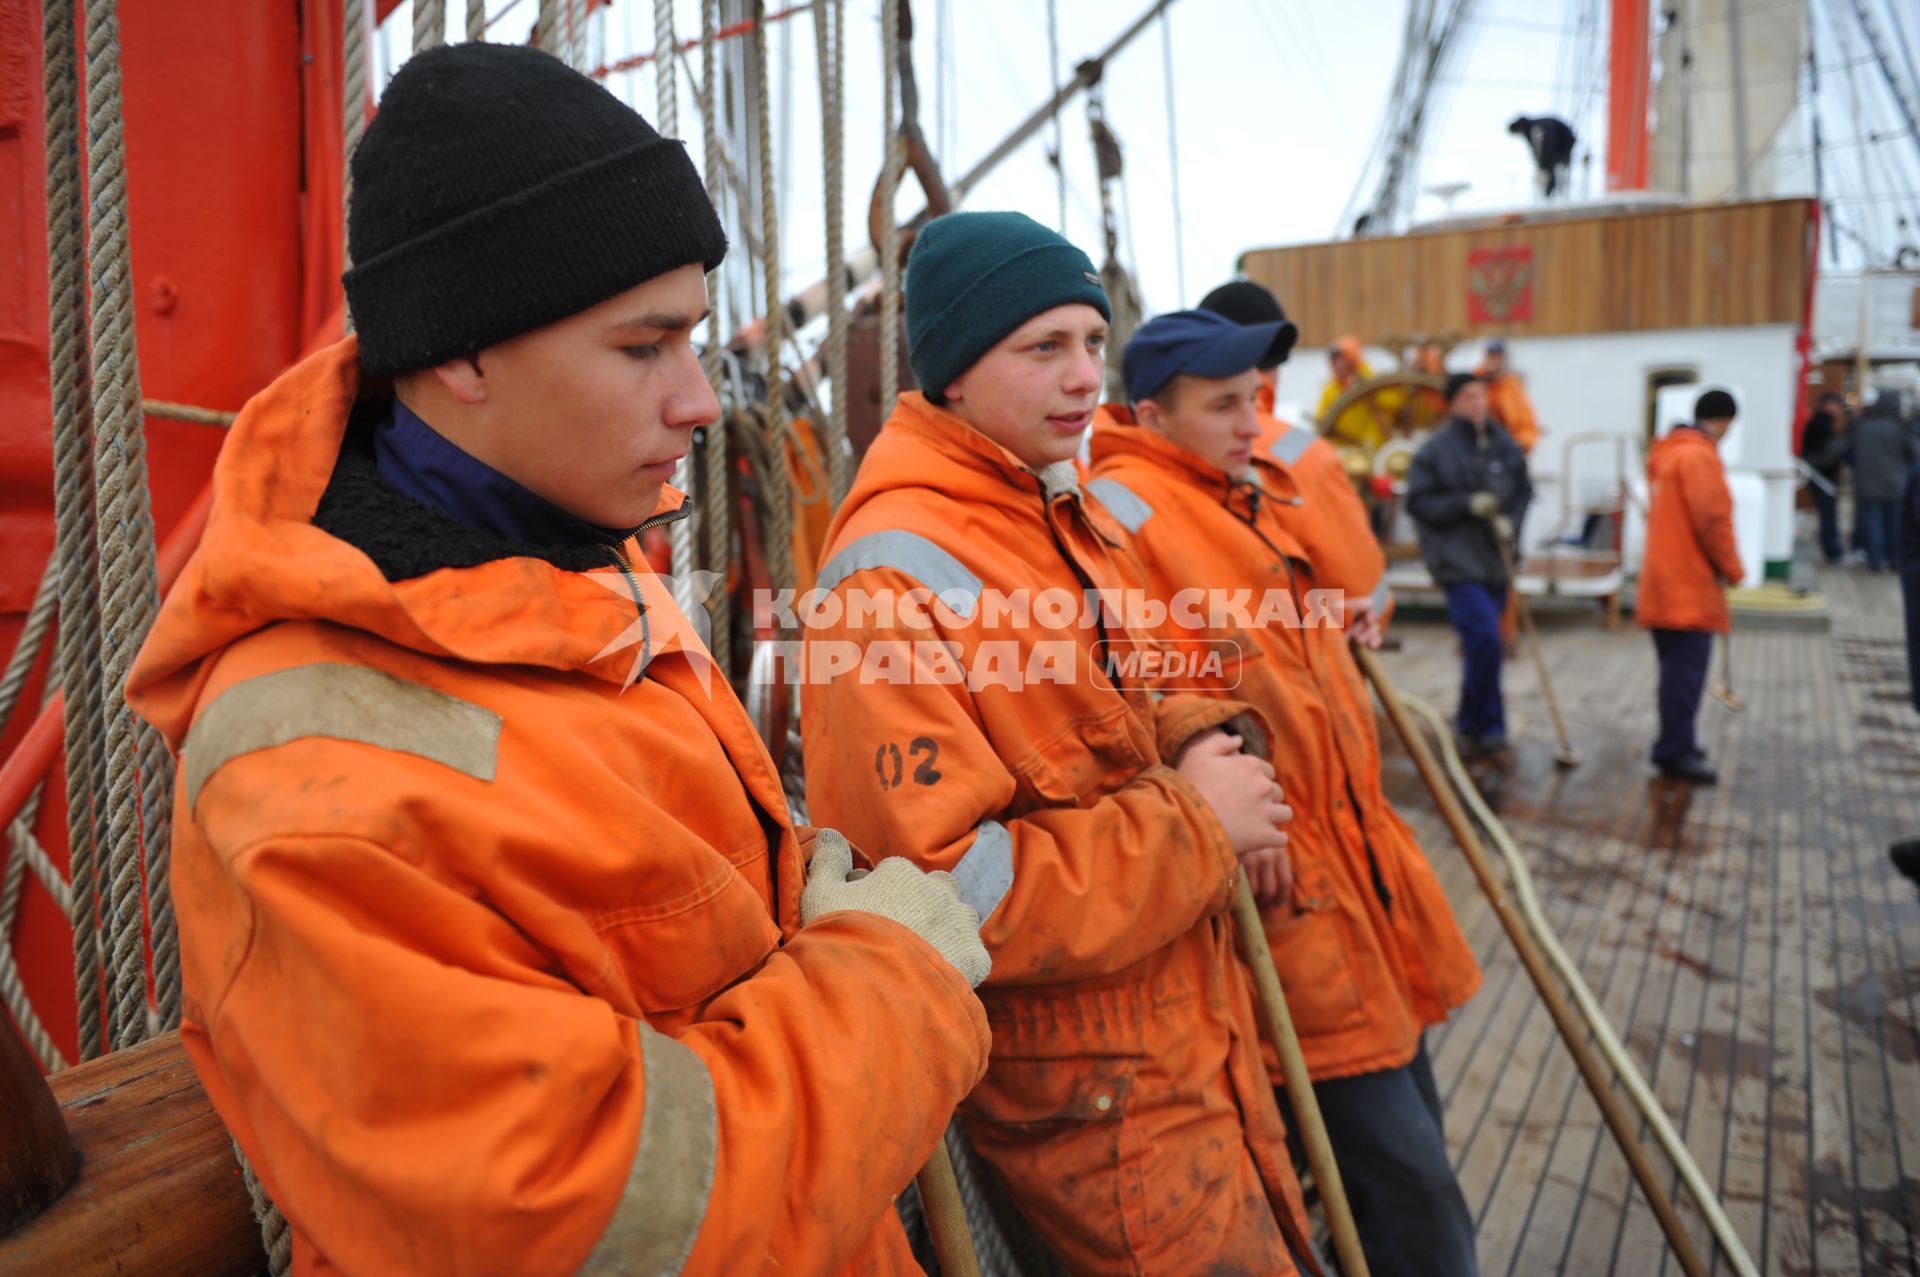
(1729, 73)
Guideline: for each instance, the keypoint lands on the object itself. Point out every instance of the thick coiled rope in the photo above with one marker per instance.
(13, 993)
(548, 22)
(33, 636)
(139, 769)
(896, 154)
(684, 532)
(429, 24)
(25, 850)
(717, 503)
(75, 546)
(776, 500)
(829, 36)
(353, 114)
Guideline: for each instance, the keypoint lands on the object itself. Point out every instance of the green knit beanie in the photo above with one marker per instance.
(975, 277)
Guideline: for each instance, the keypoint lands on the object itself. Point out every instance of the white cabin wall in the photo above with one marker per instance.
(1597, 383)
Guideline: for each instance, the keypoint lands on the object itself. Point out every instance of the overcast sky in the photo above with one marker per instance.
(1277, 104)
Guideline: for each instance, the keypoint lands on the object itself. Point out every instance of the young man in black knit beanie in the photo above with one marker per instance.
(499, 952)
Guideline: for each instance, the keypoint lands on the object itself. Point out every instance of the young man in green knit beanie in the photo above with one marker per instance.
(962, 709)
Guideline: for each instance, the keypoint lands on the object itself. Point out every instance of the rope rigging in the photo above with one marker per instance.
(74, 522)
(353, 114)
(775, 428)
(429, 24)
(716, 490)
(894, 149)
(829, 27)
(1173, 160)
(139, 769)
(27, 853)
(1110, 165)
(1056, 154)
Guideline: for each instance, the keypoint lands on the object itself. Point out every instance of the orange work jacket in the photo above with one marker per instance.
(1101, 873)
(492, 963)
(1508, 404)
(1369, 952)
(1691, 556)
(1331, 521)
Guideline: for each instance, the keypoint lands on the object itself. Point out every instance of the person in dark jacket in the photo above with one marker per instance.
(1906, 854)
(1467, 492)
(1882, 453)
(1823, 446)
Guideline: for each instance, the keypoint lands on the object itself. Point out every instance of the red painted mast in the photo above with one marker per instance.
(1629, 84)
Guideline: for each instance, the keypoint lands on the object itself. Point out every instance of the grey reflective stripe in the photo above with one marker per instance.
(340, 702)
(660, 1211)
(985, 873)
(912, 555)
(1382, 595)
(1293, 445)
(1123, 502)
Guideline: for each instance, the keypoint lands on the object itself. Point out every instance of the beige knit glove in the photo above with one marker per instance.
(927, 904)
(1483, 505)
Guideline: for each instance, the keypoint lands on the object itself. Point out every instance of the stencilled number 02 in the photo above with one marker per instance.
(889, 764)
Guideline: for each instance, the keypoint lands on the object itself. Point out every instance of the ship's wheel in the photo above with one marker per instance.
(1405, 404)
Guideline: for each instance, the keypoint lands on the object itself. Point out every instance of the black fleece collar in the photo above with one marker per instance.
(406, 539)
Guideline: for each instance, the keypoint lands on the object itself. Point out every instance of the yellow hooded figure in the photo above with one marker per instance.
(1367, 421)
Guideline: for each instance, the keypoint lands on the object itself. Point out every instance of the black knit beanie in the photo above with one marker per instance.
(498, 191)
(1245, 303)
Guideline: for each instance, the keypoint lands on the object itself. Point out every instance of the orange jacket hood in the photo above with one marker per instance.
(265, 558)
(970, 468)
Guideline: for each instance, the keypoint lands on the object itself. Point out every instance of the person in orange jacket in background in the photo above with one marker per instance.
(499, 953)
(1507, 396)
(1365, 943)
(1331, 522)
(1690, 560)
(1368, 421)
(1100, 832)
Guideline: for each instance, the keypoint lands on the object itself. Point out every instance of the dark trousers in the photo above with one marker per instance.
(1391, 1147)
(1880, 527)
(1475, 607)
(1684, 655)
(1827, 504)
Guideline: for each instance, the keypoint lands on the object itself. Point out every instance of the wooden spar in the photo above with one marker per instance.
(158, 1192)
(1085, 75)
(37, 1160)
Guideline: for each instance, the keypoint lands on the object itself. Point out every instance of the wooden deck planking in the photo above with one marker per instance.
(1752, 945)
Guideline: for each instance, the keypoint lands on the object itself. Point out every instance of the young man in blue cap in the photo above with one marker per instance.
(1100, 832)
(1363, 938)
(1334, 528)
(1468, 491)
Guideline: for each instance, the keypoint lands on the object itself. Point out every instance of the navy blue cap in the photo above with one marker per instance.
(1196, 342)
